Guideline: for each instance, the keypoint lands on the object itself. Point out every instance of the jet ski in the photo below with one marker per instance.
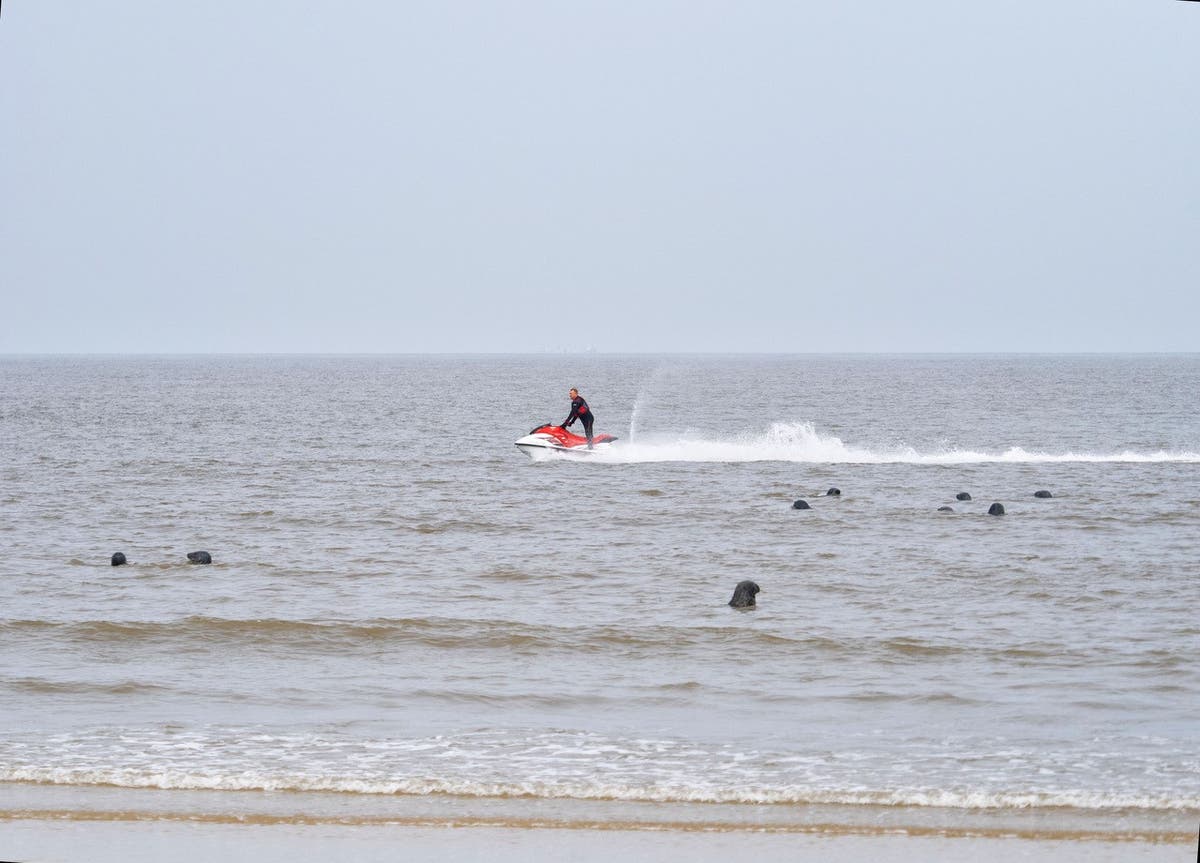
(550, 439)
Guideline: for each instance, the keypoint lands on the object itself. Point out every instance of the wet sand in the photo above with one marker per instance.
(52, 840)
(43, 822)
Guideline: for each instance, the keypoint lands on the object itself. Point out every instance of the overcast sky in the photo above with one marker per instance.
(934, 175)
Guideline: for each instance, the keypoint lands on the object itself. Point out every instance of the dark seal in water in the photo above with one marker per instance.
(743, 595)
(996, 509)
(801, 504)
(962, 495)
(199, 557)
(1042, 493)
(834, 492)
(118, 559)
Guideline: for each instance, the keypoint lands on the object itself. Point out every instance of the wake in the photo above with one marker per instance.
(801, 443)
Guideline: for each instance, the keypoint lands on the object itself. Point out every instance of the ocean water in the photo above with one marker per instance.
(407, 618)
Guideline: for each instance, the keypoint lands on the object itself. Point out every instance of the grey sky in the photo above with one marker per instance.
(934, 175)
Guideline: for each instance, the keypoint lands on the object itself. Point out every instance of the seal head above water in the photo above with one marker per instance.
(743, 594)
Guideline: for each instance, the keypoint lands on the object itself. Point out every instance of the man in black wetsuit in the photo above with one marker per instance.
(580, 411)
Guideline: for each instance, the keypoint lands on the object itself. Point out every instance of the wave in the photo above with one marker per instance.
(441, 633)
(467, 634)
(564, 765)
(802, 443)
(667, 792)
(42, 686)
(528, 639)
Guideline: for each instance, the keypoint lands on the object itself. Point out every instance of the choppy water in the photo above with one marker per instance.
(404, 604)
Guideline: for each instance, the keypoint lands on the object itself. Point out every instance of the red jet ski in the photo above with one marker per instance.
(549, 438)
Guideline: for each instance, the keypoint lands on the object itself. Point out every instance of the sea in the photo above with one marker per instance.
(408, 620)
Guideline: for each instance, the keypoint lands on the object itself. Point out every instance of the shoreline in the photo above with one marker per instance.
(79, 804)
(456, 822)
(49, 841)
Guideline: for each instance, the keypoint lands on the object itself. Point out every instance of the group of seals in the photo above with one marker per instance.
(743, 594)
(995, 508)
(803, 504)
(119, 559)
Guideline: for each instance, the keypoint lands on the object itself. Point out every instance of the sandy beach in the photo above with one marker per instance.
(47, 823)
(51, 841)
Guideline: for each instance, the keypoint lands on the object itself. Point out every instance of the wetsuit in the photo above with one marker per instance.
(580, 411)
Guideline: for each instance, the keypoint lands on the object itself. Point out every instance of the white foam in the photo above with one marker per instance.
(802, 443)
(660, 792)
(566, 765)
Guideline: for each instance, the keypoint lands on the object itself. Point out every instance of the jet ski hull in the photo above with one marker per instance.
(547, 440)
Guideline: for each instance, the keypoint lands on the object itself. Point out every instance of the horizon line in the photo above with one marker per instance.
(590, 353)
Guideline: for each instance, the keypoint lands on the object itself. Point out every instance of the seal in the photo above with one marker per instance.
(199, 557)
(834, 492)
(945, 509)
(1042, 493)
(962, 495)
(800, 504)
(118, 559)
(996, 509)
(743, 594)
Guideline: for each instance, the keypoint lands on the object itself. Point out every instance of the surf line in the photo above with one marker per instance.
(831, 828)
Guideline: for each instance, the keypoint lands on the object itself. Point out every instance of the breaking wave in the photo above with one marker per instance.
(563, 765)
(653, 793)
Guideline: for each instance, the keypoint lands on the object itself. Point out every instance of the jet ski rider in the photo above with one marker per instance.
(580, 411)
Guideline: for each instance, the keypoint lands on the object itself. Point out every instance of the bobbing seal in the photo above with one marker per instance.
(834, 492)
(199, 557)
(800, 504)
(1042, 493)
(118, 559)
(996, 509)
(743, 594)
(962, 495)
(945, 509)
